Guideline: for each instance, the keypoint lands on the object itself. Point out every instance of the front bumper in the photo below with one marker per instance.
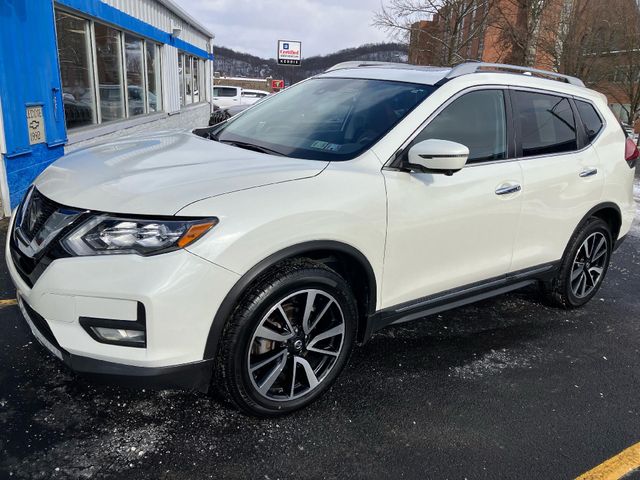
(180, 292)
(191, 376)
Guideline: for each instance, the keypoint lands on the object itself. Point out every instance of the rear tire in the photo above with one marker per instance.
(583, 266)
(287, 340)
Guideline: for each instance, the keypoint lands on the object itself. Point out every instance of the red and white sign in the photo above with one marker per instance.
(277, 84)
(289, 52)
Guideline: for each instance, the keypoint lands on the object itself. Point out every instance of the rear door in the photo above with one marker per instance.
(562, 178)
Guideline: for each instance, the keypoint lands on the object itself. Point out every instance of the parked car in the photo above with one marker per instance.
(256, 254)
(227, 96)
(77, 113)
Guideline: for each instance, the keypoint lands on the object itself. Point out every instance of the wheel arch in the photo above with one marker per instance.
(610, 213)
(607, 211)
(347, 260)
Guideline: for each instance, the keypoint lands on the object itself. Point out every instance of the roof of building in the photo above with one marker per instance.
(182, 13)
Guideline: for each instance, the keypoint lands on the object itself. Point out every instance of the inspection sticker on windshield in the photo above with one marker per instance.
(320, 145)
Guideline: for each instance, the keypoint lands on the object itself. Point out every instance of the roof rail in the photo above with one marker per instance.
(474, 67)
(361, 63)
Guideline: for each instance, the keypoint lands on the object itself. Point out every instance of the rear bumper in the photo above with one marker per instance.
(190, 376)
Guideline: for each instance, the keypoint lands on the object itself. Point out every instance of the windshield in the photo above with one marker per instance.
(324, 118)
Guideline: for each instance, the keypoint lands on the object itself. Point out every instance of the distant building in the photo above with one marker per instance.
(77, 72)
(243, 82)
(489, 45)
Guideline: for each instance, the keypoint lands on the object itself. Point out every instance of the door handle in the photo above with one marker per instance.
(507, 188)
(588, 172)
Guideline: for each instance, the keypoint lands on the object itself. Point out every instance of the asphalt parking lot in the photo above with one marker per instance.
(507, 388)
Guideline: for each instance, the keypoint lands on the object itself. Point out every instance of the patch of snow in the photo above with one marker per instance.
(493, 363)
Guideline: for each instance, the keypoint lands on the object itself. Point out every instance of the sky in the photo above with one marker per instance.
(255, 26)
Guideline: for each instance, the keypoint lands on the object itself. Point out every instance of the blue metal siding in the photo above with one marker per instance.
(29, 75)
(109, 14)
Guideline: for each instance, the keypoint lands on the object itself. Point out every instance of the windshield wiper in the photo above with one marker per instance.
(251, 146)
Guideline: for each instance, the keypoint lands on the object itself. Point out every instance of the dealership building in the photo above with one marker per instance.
(77, 72)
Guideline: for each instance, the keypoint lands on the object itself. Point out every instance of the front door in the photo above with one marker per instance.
(444, 231)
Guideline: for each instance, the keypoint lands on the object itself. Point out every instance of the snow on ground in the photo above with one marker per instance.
(494, 362)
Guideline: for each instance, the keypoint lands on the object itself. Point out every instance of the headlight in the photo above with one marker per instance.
(106, 234)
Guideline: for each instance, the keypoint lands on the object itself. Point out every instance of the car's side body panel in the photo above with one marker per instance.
(345, 203)
(437, 238)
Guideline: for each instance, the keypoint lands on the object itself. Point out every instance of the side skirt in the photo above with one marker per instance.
(450, 299)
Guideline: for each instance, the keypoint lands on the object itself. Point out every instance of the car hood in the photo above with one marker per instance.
(158, 174)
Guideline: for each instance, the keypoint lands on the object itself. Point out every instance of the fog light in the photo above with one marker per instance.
(120, 335)
(126, 333)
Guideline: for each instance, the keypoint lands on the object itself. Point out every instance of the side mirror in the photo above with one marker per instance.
(437, 156)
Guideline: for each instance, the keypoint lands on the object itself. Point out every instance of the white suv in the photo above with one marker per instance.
(253, 255)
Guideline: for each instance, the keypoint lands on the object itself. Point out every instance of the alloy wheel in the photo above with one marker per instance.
(295, 345)
(589, 264)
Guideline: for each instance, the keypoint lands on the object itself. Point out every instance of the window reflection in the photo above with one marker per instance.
(109, 72)
(135, 75)
(154, 91)
(181, 77)
(75, 69)
(196, 76)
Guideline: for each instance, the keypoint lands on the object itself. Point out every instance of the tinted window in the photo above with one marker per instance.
(224, 92)
(592, 121)
(325, 118)
(477, 120)
(547, 124)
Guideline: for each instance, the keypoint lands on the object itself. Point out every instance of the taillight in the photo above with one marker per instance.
(631, 153)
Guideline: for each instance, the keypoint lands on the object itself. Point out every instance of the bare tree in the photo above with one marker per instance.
(448, 27)
(573, 35)
(519, 23)
(620, 59)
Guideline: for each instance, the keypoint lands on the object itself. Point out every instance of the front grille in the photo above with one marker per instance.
(34, 213)
(34, 241)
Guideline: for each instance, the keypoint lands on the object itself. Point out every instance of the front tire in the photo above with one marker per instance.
(584, 265)
(287, 340)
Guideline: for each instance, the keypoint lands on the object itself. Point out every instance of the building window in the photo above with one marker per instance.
(188, 80)
(109, 62)
(74, 48)
(98, 64)
(135, 75)
(196, 77)
(181, 77)
(154, 84)
(191, 75)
